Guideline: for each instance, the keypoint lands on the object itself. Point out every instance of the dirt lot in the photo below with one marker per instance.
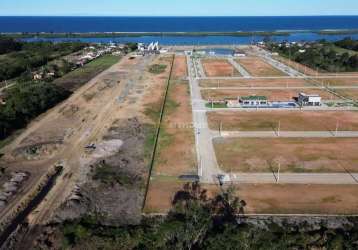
(271, 199)
(348, 93)
(309, 71)
(270, 82)
(297, 66)
(290, 121)
(336, 81)
(60, 135)
(179, 68)
(272, 95)
(257, 67)
(285, 199)
(176, 151)
(219, 67)
(294, 154)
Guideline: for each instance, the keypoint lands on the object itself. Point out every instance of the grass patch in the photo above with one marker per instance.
(109, 175)
(216, 105)
(152, 111)
(80, 76)
(157, 68)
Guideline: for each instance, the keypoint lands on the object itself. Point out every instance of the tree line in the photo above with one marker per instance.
(199, 222)
(319, 55)
(26, 100)
(18, 57)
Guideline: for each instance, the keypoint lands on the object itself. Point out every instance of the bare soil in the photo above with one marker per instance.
(179, 68)
(272, 95)
(348, 93)
(289, 121)
(120, 93)
(176, 151)
(264, 82)
(257, 67)
(270, 199)
(293, 154)
(219, 67)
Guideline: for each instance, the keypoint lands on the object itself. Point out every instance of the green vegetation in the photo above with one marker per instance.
(198, 222)
(24, 101)
(216, 105)
(9, 45)
(157, 68)
(78, 77)
(24, 57)
(321, 55)
(111, 175)
(348, 43)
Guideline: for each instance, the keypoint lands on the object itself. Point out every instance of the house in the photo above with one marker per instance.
(309, 100)
(239, 53)
(255, 101)
(37, 76)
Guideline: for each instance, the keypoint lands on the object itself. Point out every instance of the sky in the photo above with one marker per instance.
(177, 7)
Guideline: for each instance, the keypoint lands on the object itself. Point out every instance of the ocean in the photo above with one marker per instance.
(184, 24)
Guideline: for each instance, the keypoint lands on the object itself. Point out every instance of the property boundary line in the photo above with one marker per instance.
(161, 115)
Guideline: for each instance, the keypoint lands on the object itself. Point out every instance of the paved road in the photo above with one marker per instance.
(294, 178)
(287, 134)
(280, 109)
(199, 67)
(280, 77)
(237, 66)
(280, 87)
(208, 167)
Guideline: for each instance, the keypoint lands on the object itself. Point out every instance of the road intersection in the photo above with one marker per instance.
(208, 168)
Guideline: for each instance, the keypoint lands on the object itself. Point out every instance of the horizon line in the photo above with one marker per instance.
(195, 16)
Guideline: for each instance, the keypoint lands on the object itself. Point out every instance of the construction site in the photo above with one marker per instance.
(125, 142)
(262, 122)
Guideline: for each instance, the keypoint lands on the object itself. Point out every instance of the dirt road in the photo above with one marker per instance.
(62, 133)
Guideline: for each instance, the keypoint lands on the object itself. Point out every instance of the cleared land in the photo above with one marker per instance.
(289, 121)
(273, 82)
(271, 199)
(297, 66)
(272, 95)
(80, 76)
(179, 68)
(176, 151)
(91, 115)
(293, 154)
(307, 70)
(257, 67)
(219, 67)
(348, 93)
(336, 81)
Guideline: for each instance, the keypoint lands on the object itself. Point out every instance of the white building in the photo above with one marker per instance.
(309, 100)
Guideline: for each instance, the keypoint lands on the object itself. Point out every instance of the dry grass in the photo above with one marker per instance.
(269, 199)
(294, 154)
(176, 151)
(219, 67)
(348, 93)
(272, 95)
(270, 82)
(290, 121)
(179, 68)
(257, 67)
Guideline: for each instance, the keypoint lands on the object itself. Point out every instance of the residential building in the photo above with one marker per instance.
(309, 100)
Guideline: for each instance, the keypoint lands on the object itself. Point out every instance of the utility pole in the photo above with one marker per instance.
(278, 172)
(220, 127)
(279, 128)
